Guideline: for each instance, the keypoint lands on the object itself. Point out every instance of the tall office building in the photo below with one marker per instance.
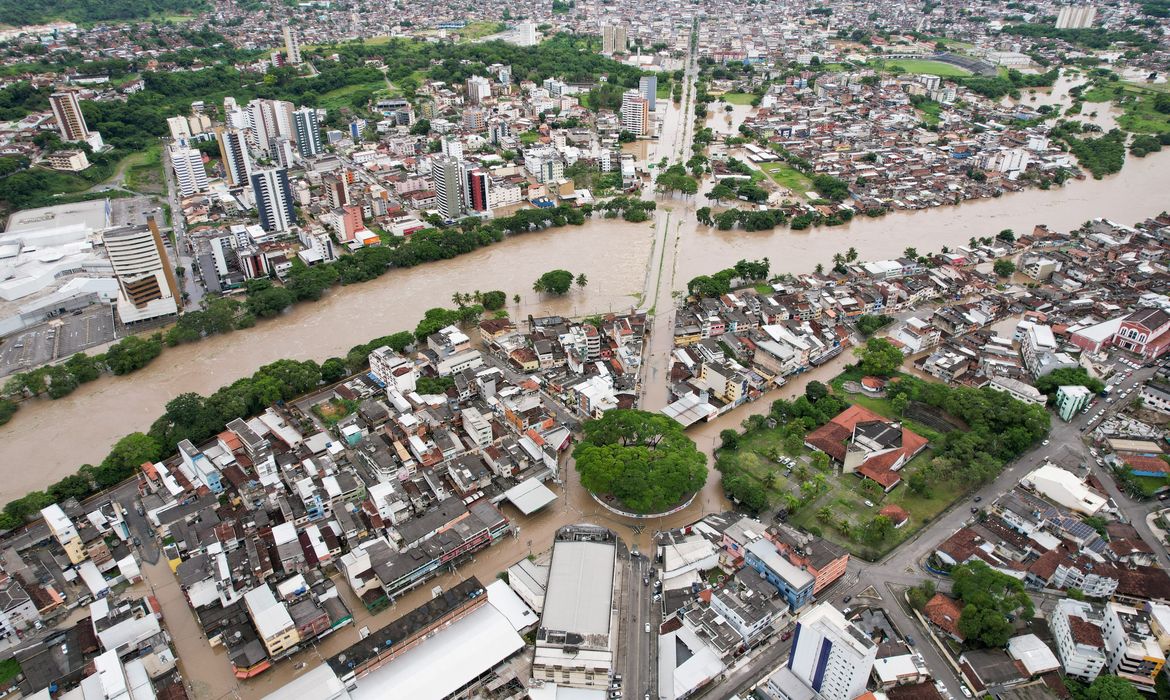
(635, 113)
(190, 175)
(648, 86)
(233, 153)
(613, 39)
(308, 131)
(292, 46)
(273, 199)
(830, 655)
(67, 110)
(146, 280)
(478, 183)
(1076, 16)
(445, 172)
(479, 89)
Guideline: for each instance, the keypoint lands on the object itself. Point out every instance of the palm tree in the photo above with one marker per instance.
(825, 514)
(582, 280)
(538, 287)
(838, 260)
(515, 298)
(457, 299)
(769, 479)
(851, 254)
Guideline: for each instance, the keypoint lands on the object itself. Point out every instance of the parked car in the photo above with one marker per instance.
(786, 636)
(647, 628)
(846, 599)
(910, 640)
(978, 498)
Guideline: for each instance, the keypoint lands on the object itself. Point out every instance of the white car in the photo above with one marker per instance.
(1045, 443)
(869, 504)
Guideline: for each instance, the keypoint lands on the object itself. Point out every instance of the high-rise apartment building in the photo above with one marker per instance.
(830, 655)
(479, 89)
(273, 199)
(190, 175)
(146, 279)
(478, 184)
(648, 86)
(292, 46)
(1075, 16)
(526, 34)
(67, 111)
(445, 172)
(613, 39)
(308, 132)
(233, 153)
(635, 113)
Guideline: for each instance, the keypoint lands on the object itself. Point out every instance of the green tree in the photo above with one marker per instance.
(644, 459)
(333, 370)
(729, 439)
(127, 455)
(879, 357)
(815, 391)
(554, 282)
(1004, 268)
(1110, 687)
(984, 626)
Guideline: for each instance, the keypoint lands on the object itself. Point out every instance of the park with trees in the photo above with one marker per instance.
(641, 461)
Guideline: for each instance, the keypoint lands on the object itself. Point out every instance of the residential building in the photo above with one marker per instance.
(830, 655)
(648, 86)
(1131, 649)
(62, 529)
(233, 153)
(277, 630)
(1018, 390)
(1076, 629)
(17, 610)
(635, 113)
(746, 612)
(445, 171)
(67, 111)
(73, 161)
(146, 279)
(1075, 16)
(478, 188)
(292, 46)
(613, 39)
(393, 370)
(274, 201)
(794, 583)
(190, 175)
(1070, 400)
(308, 132)
(1155, 396)
(479, 89)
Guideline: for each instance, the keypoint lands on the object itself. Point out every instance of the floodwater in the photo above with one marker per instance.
(209, 671)
(47, 440)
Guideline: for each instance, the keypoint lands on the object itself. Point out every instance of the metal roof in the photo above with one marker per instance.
(580, 588)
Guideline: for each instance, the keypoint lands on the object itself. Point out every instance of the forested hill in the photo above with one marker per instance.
(19, 12)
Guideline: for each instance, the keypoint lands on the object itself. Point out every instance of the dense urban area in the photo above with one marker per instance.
(584, 351)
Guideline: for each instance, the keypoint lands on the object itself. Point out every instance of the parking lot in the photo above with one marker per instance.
(58, 338)
(129, 211)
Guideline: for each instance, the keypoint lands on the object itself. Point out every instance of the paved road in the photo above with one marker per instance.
(184, 249)
(635, 664)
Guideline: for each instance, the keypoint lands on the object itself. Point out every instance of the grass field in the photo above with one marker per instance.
(930, 111)
(1140, 116)
(738, 98)
(926, 67)
(343, 96)
(144, 171)
(787, 176)
(662, 92)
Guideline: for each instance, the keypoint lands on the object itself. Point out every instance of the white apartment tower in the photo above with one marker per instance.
(190, 175)
(233, 153)
(446, 173)
(479, 89)
(292, 46)
(613, 39)
(67, 111)
(635, 113)
(1076, 16)
(830, 655)
(308, 131)
(273, 199)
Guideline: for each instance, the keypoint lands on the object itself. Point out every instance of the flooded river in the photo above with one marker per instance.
(50, 439)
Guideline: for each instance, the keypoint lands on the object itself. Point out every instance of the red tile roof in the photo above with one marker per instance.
(895, 513)
(944, 612)
(1085, 632)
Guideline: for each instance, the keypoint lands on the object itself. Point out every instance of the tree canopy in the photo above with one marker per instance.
(989, 596)
(554, 282)
(644, 459)
(879, 357)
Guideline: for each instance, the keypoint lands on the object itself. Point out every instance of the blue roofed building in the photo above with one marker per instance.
(793, 582)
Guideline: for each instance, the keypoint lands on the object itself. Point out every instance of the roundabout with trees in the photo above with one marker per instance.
(642, 461)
